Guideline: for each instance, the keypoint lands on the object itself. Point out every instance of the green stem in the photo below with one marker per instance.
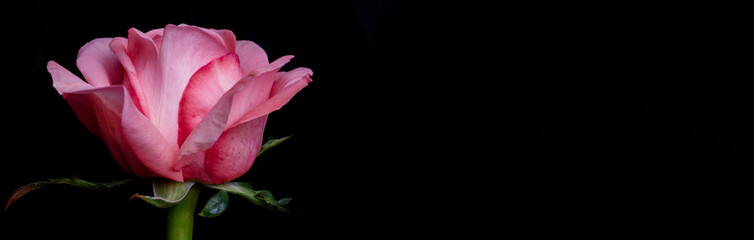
(181, 216)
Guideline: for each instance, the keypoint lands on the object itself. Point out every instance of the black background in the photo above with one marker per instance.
(425, 120)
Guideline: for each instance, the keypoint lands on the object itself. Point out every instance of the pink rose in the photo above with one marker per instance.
(184, 103)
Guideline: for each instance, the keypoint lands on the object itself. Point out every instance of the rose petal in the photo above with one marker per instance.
(252, 56)
(106, 105)
(235, 151)
(64, 81)
(156, 36)
(286, 79)
(228, 37)
(285, 86)
(180, 58)
(257, 90)
(138, 56)
(147, 143)
(194, 169)
(98, 64)
(204, 92)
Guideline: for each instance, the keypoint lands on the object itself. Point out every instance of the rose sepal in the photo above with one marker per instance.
(166, 193)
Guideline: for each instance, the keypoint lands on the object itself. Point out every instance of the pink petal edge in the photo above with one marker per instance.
(251, 55)
(98, 64)
(285, 87)
(256, 91)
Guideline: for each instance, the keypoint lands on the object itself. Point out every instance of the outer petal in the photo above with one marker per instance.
(285, 80)
(98, 64)
(256, 91)
(184, 50)
(252, 56)
(99, 109)
(64, 81)
(194, 168)
(285, 86)
(204, 92)
(147, 143)
(235, 151)
(106, 104)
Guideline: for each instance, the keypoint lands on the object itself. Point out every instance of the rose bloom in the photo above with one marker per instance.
(182, 102)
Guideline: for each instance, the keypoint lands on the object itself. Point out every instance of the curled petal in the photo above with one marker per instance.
(156, 36)
(286, 79)
(138, 55)
(98, 64)
(256, 91)
(252, 56)
(228, 38)
(64, 81)
(285, 86)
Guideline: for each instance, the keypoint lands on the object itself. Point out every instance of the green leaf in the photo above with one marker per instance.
(271, 142)
(166, 193)
(262, 198)
(216, 205)
(65, 181)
